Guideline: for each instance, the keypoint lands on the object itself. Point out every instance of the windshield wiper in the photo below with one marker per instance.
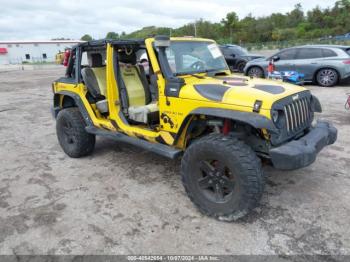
(195, 75)
(209, 72)
(190, 74)
(213, 72)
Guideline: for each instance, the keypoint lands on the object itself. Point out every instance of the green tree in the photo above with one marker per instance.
(289, 26)
(296, 16)
(278, 20)
(341, 15)
(112, 35)
(231, 23)
(185, 30)
(123, 35)
(248, 31)
(86, 37)
(207, 29)
(316, 17)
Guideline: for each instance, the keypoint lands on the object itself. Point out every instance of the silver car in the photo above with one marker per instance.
(324, 65)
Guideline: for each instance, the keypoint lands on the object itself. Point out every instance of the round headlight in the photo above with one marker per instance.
(274, 115)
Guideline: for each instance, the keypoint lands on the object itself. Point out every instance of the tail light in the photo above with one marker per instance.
(347, 62)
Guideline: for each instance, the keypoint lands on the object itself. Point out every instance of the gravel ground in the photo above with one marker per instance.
(123, 200)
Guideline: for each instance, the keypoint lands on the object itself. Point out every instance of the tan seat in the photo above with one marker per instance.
(94, 76)
(138, 93)
(100, 74)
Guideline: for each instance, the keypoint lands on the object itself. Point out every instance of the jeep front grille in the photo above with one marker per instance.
(298, 115)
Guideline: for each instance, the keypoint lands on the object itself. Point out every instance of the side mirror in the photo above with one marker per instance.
(275, 58)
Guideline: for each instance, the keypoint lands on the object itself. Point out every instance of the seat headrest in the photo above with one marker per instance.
(96, 60)
(127, 59)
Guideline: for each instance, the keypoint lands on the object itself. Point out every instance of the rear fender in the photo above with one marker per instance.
(65, 99)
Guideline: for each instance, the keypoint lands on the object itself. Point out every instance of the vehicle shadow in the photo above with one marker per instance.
(141, 165)
(149, 168)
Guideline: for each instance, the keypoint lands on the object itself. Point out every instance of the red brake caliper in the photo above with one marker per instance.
(227, 127)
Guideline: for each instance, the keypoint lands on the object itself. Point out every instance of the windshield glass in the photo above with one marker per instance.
(239, 50)
(191, 57)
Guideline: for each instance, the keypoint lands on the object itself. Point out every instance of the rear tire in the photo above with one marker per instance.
(255, 71)
(327, 77)
(222, 176)
(71, 134)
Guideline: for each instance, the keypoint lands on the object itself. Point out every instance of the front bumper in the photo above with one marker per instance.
(302, 152)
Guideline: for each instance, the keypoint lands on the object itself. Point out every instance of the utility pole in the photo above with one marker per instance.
(195, 29)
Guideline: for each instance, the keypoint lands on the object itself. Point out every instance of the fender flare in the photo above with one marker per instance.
(78, 102)
(315, 104)
(253, 119)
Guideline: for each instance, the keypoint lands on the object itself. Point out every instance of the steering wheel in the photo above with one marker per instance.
(198, 65)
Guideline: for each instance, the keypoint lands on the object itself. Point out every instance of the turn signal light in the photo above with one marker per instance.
(347, 62)
(257, 106)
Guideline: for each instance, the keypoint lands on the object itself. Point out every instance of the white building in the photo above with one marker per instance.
(16, 52)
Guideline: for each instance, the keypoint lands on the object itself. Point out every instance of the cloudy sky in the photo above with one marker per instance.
(46, 19)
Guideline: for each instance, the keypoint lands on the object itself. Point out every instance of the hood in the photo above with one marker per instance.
(237, 90)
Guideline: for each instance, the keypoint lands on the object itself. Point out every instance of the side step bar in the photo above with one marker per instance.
(159, 149)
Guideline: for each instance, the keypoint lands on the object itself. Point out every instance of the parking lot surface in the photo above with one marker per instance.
(123, 200)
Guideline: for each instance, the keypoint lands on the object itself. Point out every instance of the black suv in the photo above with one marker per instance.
(237, 57)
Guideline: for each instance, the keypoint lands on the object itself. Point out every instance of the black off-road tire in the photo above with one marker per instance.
(244, 167)
(255, 71)
(71, 134)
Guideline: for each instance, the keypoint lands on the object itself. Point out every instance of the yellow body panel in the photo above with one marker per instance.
(80, 90)
(237, 98)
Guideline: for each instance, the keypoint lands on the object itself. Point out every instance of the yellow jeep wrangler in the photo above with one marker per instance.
(177, 97)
